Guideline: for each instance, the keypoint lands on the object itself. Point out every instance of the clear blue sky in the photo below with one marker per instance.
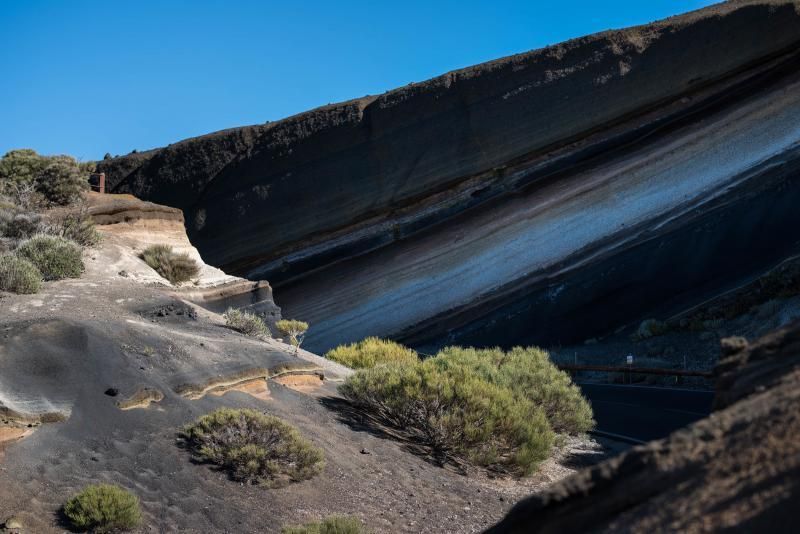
(88, 77)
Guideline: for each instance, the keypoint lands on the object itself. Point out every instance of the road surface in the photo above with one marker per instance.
(640, 414)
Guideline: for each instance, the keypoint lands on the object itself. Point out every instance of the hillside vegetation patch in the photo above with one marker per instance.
(370, 352)
(175, 267)
(253, 447)
(18, 275)
(490, 408)
(246, 322)
(55, 257)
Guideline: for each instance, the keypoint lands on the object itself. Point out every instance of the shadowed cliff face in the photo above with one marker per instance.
(512, 192)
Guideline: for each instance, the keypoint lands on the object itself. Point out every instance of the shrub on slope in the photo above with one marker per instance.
(174, 267)
(18, 275)
(56, 257)
(370, 352)
(247, 323)
(253, 447)
(103, 508)
(491, 408)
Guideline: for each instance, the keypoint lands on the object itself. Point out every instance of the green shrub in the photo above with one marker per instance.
(54, 256)
(370, 352)
(18, 275)
(174, 267)
(456, 413)
(253, 447)
(103, 508)
(329, 525)
(20, 168)
(246, 323)
(293, 328)
(488, 407)
(530, 375)
(62, 181)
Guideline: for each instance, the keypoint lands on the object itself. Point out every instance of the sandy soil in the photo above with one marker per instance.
(82, 348)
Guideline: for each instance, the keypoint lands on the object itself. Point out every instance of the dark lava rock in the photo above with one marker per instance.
(176, 310)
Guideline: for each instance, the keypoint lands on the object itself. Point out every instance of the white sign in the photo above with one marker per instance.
(630, 359)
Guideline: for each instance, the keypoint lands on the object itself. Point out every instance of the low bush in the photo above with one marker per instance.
(103, 508)
(294, 329)
(530, 375)
(491, 408)
(370, 352)
(57, 258)
(253, 447)
(329, 525)
(246, 323)
(171, 265)
(17, 223)
(18, 275)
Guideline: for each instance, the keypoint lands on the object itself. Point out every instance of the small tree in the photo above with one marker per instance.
(19, 170)
(295, 329)
(62, 181)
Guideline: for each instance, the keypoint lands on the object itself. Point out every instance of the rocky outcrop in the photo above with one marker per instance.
(130, 225)
(514, 201)
(738, 469)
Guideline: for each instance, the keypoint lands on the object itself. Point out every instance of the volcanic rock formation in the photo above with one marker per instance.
(535, 198)
(738, 469)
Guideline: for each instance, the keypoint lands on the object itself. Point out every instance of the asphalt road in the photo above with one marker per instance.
(639, 414)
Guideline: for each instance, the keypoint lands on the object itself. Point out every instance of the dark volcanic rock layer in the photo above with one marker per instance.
(736, 470)
(384, 213)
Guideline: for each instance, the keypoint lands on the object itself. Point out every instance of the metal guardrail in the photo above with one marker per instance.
(637, 370)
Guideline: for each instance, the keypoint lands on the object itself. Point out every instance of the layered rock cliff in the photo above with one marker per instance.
(532, 190)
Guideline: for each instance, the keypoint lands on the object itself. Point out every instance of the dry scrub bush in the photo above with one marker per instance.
(247, 323)
(294, 329)
(76, 225)
(18, 275)
(103, 508)
(174, 267)
(486, 407)
(329, 525)
(370, 352)
(57, 258)
(253, 447)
